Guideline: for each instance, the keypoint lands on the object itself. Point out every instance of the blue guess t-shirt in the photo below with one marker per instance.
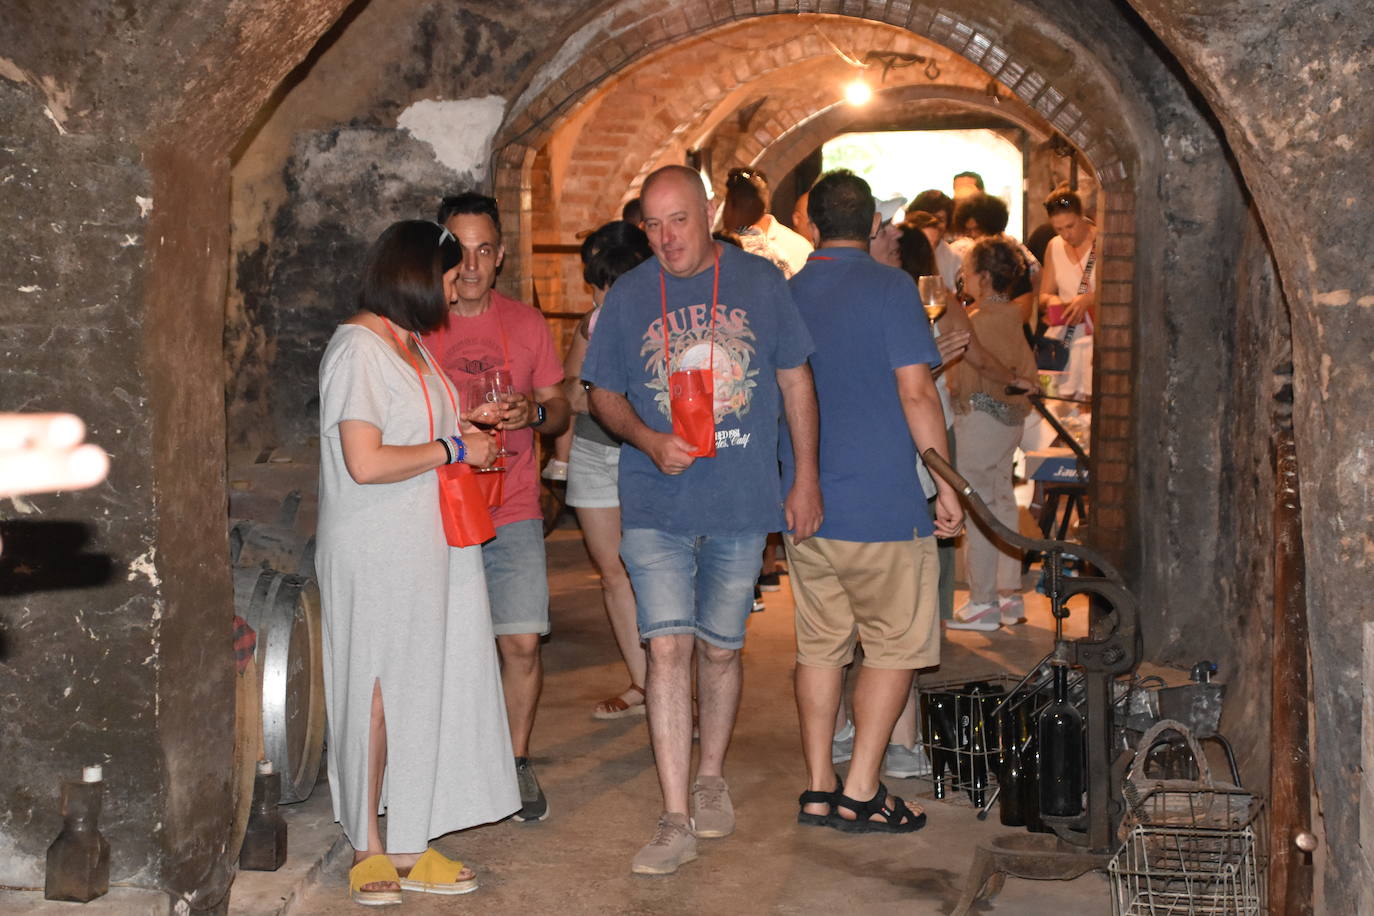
(757, 331)
(868, 321)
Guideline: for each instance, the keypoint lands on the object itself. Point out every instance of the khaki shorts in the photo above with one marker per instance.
(884, 593)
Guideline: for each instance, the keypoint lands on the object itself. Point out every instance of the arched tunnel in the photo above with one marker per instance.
(189, 188)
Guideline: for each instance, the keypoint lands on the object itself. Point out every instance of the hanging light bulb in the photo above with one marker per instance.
(858, 93)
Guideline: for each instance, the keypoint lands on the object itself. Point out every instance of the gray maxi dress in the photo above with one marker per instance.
(403, 608)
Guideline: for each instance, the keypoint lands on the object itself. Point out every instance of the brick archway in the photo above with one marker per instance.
(1090, 116)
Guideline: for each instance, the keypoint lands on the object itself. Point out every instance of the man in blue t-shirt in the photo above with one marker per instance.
(871, 572)
(694, 527)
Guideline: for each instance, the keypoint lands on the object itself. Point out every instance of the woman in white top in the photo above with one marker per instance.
(1068, 288)
(416, 722)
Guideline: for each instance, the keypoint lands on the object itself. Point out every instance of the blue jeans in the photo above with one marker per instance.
(518, 579)
(703, 585)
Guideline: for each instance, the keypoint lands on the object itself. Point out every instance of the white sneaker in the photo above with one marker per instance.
(1012, 610)
(974, 616)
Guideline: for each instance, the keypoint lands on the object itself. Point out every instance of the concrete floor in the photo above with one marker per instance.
(600, 780)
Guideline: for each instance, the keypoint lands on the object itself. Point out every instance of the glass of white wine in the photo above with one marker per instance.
(932, 290)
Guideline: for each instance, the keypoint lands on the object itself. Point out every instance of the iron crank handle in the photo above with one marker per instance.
(940, 466)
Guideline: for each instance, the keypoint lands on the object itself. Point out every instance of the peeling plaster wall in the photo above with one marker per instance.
(348, 185)
(79, 667)
(438, 76)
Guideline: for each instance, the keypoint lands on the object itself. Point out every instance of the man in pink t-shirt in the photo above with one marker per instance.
(486, 330)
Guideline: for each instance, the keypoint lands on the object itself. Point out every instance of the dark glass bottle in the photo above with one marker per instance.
(1061, 752)
(1030, 785)
(79, 859)
(1014, 730)
(264, 842)
(978, 741)
(941, 732)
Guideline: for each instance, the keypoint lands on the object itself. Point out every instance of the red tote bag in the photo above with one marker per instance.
(462, 504)
(692, 392)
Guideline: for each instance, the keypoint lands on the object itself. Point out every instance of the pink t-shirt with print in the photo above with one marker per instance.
(467, 347)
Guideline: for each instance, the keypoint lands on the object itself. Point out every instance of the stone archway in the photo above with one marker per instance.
(1097, 123)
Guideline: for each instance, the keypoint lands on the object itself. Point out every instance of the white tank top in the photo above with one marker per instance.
(1068, 273)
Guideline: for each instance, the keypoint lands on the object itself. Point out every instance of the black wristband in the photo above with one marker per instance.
(540, 414)
(448, 452)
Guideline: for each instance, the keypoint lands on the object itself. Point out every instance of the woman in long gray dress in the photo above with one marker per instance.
(417, 726)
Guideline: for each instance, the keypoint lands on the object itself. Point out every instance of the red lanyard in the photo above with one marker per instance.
(448, 389)
(663, 299)
(819, 257)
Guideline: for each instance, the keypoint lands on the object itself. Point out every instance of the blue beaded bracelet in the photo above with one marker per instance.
(460, 451)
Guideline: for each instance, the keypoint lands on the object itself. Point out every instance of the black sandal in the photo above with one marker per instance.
(897, 818)
(810, 797)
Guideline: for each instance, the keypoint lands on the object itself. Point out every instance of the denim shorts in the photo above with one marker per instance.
(703, 585)
(517, 578)
(593, 475)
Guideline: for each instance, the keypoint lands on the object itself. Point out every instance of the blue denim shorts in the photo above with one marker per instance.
(517, 579)
(703, 585)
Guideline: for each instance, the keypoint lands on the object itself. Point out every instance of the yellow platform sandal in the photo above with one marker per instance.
(373, 870)
(435, 873)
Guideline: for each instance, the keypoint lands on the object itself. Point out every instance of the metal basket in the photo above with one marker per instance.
(1192, 852)
(960, 734)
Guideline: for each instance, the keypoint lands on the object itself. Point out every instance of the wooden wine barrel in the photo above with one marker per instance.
(284, 609)
(247, 749)
(263, 545)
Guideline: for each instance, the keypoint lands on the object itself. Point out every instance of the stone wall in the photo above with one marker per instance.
(1242, 132)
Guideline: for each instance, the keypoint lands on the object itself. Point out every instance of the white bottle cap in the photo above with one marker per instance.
(264, 768)
(92, 774)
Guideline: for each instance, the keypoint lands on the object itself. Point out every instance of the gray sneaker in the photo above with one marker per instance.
(902, 762)
(842, 745)
(673, 845)
(713, 814)
(533, 805)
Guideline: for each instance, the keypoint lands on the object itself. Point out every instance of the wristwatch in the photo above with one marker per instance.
(539, 414)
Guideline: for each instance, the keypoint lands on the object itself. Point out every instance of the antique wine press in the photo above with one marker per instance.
(1088, 840)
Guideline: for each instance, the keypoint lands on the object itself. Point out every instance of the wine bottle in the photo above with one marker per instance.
(1014, 727)
(941, 732)
(1061, 752)
(79, 859)
(982, 699)
(264, 842)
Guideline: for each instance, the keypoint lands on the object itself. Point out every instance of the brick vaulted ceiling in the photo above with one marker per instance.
(761, 87)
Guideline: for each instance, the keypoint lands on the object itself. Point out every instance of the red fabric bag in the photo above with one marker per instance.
(462, 504)
(692, 398)
(692, 392)
(467, 520)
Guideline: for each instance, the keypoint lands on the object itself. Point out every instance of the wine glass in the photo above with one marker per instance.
(498, 388)
(932, 291)
(481, 413)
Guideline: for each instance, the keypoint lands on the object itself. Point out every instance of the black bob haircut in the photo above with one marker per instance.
(470, 203)
(613, 261)
(615, 234)
(403, 276)
(841, 207)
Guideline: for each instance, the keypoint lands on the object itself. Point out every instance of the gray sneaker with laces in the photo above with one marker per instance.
(673, 845)
(533, 805)
(713, 814)
(901, 762)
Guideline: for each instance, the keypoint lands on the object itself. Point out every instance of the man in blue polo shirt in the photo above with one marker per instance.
(871, 573)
